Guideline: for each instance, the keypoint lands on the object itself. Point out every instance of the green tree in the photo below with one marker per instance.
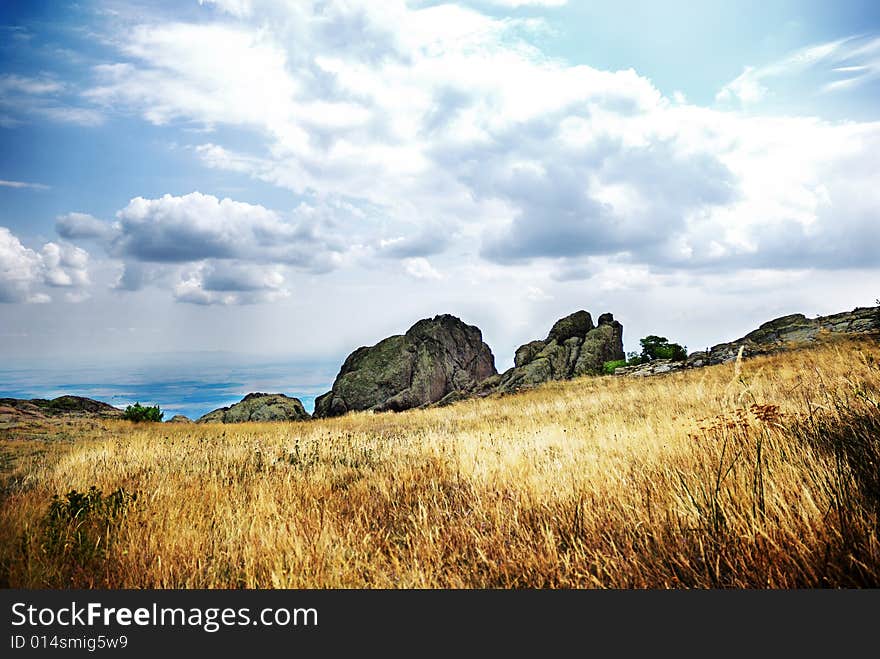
(138, 413)
(659, 347)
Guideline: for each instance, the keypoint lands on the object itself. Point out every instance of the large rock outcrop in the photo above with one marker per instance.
(574, 347)
(259, 407)
(793, 330)
(436, 357)
(776, 335)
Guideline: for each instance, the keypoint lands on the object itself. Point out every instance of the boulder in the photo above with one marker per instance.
(436, 357)
(259, 407)
(574, 347)
(180, 418)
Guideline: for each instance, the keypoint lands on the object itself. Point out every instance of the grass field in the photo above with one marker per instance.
(761, 474)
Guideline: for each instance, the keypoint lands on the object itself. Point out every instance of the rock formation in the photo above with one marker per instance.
(796, 329)
(436, 357)
(258, 407)
(180, 418)
(573, 347)
(773, 336)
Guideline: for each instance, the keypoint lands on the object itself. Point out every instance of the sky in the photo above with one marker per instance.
(296, 179)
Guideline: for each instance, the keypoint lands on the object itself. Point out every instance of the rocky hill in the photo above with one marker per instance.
(61, 407)
(437, 356)
(257, 407)
(773, 336)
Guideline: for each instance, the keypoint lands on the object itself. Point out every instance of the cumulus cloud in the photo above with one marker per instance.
(420, 117)
(23, 272)
(230, 283)
(207, 250)
(196, 226)
(81, 226)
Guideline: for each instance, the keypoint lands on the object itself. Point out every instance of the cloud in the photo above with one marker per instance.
(431, 239)
(23, 97)
(230, 283)
(207, 250)
(832, 66)
(22, 185)
(81, 226)
(11, 83)
(240, 8)
(415, 130)
(197, 226)
(420, 268)
(23, 271)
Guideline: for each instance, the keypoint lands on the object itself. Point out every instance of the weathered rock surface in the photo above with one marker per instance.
(790, 331)
(574, 347)
(259, 407)
(63, 406)
(436, 357)
(180, 418)
(776, 335)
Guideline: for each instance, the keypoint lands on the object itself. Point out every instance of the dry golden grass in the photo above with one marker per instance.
(762, 475)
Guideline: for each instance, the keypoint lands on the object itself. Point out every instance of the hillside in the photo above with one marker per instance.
(762, 473)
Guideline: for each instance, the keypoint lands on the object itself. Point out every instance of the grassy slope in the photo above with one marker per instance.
(763, 474)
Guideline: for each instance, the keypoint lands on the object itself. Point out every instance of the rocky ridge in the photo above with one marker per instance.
(776, 335)
(63, 406)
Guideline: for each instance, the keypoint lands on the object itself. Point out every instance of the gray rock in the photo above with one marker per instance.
(574, 347)
(435, 358)
(794, 330)
(259, 407)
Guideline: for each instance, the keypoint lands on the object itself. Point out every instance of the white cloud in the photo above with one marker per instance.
(238, 8)
(81, 226)
(441, 116)
(420, 268)
(832, 66)
(11, 83)
(22, 184)
(24, 97)
(23, 271)
(230, 283)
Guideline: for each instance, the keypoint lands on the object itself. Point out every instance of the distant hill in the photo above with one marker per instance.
(18, 409)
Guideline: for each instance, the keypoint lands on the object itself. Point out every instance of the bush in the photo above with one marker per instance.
(659, 347)
(609, 367)
(80, 526)
(138, 413)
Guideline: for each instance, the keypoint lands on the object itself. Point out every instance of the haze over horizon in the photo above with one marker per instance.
(300, 179)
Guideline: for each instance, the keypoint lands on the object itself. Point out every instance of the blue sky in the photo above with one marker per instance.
(299, 179)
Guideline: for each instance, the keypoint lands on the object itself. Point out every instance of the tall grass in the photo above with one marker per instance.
(759, 474)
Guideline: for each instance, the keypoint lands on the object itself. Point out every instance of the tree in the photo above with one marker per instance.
(138, 413)
(659, 347)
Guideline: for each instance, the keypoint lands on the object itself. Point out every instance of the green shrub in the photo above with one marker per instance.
(609, 367)
(80, 527)
(659, 347)
(138, 413)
